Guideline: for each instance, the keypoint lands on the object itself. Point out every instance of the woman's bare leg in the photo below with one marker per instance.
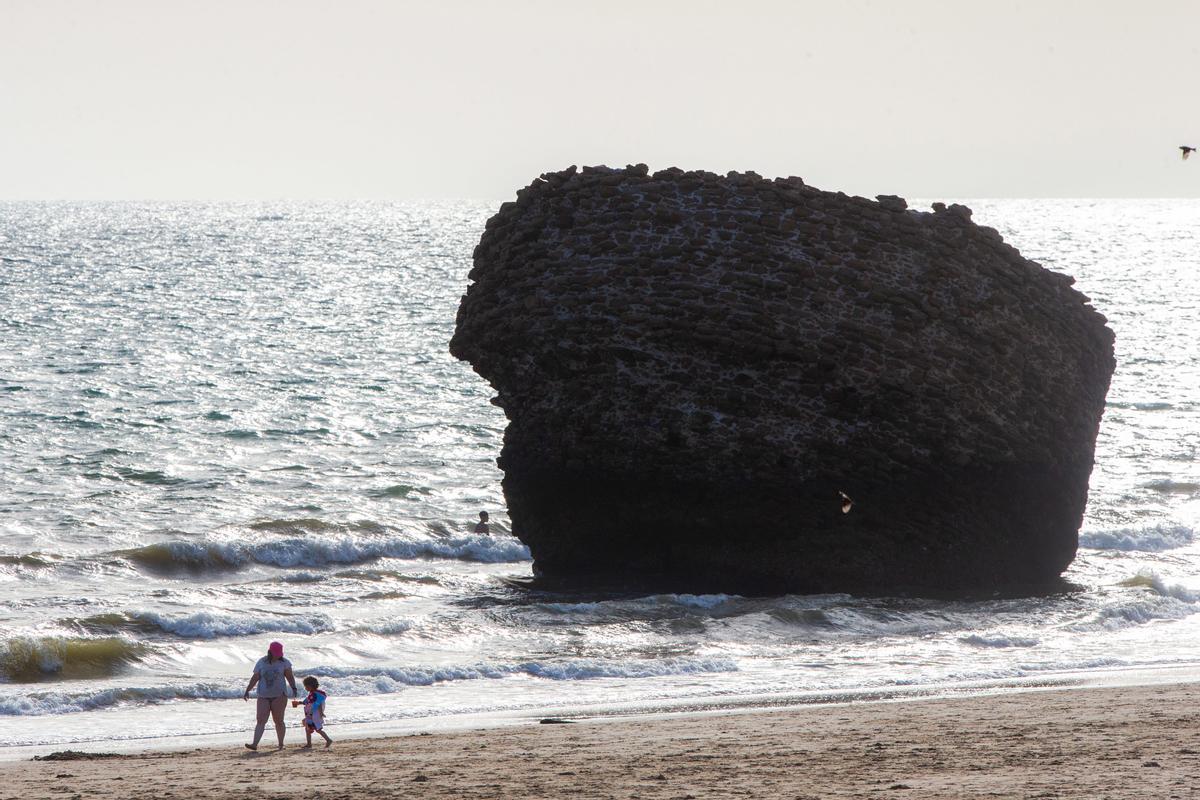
(263, 711)
(278, 704)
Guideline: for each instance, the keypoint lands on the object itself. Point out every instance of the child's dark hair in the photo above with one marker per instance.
(311, 682)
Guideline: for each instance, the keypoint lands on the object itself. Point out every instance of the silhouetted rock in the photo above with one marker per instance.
(696, 369)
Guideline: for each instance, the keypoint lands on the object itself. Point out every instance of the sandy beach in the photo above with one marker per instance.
(1079, 743)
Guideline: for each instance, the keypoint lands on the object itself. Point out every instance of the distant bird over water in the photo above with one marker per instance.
(1186, 151)
(847, 503)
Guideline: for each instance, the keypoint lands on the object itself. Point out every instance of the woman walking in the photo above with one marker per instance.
(270, 674)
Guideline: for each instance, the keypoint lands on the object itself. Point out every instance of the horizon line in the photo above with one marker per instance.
(481, 199)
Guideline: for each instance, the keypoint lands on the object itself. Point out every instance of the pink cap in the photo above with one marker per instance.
(275, 650)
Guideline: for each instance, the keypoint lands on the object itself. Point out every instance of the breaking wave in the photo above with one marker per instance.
(207, 624)
(1148, 580)
(1156, 601)
(38, 704)
(26, 659)
(304, 525)
(389, 627)
(350, 682)
(28, 560)
(312, 552)
(1152, 538)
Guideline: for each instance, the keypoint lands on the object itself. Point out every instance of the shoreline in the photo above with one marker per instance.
(1085, 742)
(1142, 676)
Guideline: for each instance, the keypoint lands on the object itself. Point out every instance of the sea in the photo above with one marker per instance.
(223, 424)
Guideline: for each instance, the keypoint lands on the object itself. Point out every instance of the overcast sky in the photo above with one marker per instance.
(144, 99)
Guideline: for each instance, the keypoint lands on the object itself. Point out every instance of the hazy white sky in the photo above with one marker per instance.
(133, 99)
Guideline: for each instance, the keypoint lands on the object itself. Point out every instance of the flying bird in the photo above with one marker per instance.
(1186, 151)
(847, 503)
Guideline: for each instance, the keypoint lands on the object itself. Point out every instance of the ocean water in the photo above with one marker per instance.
(223, 424)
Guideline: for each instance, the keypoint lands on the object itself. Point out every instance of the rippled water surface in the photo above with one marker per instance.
(223, 424)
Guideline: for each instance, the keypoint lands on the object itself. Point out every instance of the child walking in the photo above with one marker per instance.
(314, 711)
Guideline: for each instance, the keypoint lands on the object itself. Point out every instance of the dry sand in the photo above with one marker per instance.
(1091, 743)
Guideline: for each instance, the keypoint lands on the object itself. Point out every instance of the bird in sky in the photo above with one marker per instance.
(1186, 151)
(847, 503)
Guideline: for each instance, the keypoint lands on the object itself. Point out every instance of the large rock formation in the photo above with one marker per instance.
(695, 367)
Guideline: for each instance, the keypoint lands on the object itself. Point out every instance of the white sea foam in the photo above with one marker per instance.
(37, 704)
(979, 640)
(350, 550)
(386, 679)
(1153, 600)
(1150, 538)
(640, 606)
(582, 669)
(1137, 612)
(1174, 590)
(349, 682)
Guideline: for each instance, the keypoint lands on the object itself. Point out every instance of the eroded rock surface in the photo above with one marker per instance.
(695, 366)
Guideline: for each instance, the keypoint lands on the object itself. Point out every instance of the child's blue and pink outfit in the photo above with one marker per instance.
(314, 710)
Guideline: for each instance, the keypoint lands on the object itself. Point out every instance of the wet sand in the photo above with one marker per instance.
(1089, 743)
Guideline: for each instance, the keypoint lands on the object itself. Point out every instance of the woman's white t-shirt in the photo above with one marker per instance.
(271, 682)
